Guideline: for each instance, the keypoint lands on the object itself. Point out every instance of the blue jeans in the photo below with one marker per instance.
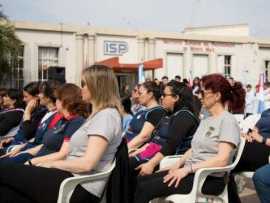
(261, 181)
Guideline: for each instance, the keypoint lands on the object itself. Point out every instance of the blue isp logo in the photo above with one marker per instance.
(115, 48)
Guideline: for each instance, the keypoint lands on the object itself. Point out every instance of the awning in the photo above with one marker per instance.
(115, 65)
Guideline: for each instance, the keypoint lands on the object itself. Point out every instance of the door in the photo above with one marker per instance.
(174, 65)
(200, 65)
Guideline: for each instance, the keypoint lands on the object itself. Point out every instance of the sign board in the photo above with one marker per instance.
(116, 48)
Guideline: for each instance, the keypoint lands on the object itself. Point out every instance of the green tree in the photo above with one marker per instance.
(9, 46)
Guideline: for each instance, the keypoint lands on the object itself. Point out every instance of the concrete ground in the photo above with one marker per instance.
(249, 194)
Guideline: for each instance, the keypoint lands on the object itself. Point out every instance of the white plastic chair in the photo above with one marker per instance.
(68, 185)
(195, 195)
(168, 161)
(249, 122)
(239, 118)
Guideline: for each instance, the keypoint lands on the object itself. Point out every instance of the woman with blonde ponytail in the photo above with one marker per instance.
(92, 149)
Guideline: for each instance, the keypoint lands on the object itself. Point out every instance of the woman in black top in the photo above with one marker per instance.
(12, 115)
(33, 113)
(175, 133)
(145, 121)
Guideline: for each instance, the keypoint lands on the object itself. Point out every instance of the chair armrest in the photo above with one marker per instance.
(169, 161)
(68, 185)
(201, 175)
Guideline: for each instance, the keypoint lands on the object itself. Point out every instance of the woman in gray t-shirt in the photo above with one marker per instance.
(92, 149)
(213, 145)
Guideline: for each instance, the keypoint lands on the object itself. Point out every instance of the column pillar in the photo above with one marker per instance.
(79, 58)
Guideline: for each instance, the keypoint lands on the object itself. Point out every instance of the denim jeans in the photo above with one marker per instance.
(261, 181)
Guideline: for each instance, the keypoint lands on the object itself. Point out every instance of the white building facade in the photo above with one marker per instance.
(228, 50)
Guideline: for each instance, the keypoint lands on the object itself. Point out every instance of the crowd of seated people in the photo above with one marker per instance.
(57, 137)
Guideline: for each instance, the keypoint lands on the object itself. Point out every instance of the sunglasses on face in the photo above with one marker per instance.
(165, 95)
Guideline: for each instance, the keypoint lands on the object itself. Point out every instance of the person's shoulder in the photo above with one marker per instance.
(108, 112)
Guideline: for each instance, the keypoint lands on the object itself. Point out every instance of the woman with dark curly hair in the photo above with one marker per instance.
(174, 133)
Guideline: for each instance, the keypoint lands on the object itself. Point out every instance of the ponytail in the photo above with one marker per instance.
(237, 101)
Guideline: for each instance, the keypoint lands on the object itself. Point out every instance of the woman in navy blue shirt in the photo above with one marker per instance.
(62, 126)
(145, 121)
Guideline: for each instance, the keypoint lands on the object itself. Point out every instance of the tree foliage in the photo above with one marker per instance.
(9, 45)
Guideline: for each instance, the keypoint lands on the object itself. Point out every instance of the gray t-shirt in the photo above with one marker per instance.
(106, 123)
(212, 131)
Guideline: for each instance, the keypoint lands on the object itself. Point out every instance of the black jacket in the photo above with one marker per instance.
(119, 189)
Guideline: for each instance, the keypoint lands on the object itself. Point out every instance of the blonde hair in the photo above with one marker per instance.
(103, 87)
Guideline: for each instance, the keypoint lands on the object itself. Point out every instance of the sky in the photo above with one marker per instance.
(145, 15)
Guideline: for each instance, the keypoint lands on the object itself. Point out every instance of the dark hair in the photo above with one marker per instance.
(185, 81)
(15, 94)
(151, 86)
(178, 77)
(126, 102)
(49, 88)
(164, 77)
(70, 96)
(248, 86)
(3, 92)
(186, 98)
(235, 96)
(32, 88)
(267, 84)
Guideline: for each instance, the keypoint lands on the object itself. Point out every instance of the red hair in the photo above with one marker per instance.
(233, 96)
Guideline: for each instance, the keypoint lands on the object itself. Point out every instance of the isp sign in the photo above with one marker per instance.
(115, 48)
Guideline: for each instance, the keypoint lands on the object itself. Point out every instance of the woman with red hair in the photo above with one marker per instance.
(213, 145)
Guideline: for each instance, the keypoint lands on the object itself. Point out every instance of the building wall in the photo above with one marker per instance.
(79, 49)
(33, 39)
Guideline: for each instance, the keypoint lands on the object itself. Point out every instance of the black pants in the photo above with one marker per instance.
(29, 184)
(152, 186)
(254, 156)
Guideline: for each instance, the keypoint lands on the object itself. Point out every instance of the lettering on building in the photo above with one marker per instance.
(116, 48)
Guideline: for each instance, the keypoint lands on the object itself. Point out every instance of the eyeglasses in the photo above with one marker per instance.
(165, 95)
(83, 83)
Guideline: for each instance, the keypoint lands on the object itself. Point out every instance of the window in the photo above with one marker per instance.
(17, 70)
(267, 70)
(227, 65)
(47, 56)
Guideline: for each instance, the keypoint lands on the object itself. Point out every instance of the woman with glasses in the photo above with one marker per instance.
(213, 145)
(145, 121)
(92, 149)
(174, 133)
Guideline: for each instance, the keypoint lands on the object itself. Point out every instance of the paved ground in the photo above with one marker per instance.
(249, 195)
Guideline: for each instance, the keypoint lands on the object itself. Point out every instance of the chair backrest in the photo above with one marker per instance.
(239, 118)
(249, 122)
(239, 152)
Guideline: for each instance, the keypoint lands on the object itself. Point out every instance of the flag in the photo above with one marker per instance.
(190, 78)
(261, 93)
(141, 78)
